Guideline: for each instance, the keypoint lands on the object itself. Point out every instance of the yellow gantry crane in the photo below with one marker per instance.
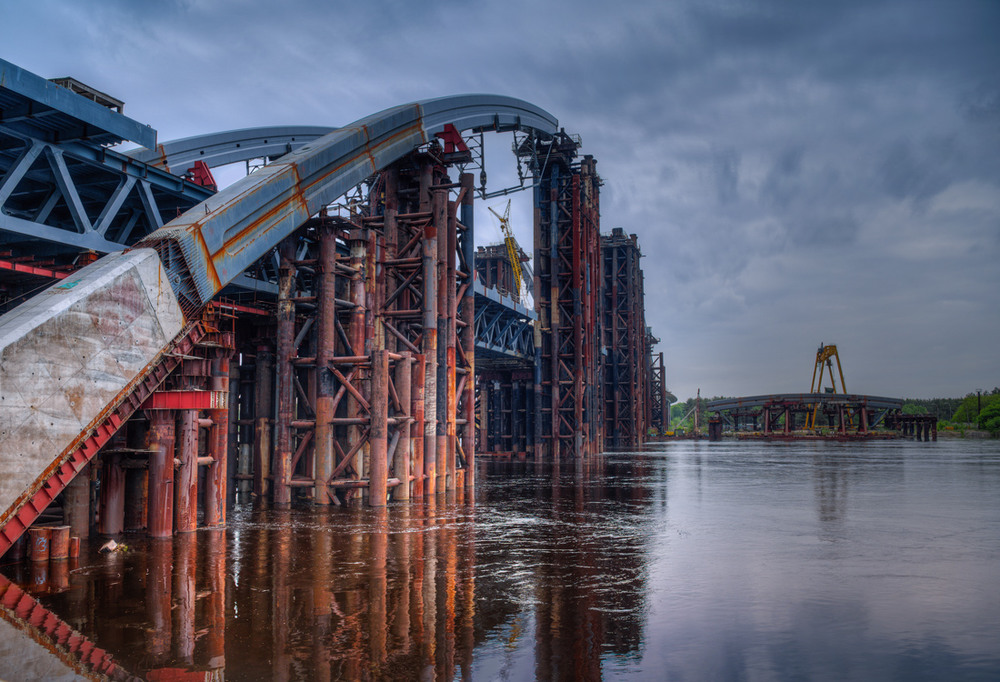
(512, 248)
(825, 356)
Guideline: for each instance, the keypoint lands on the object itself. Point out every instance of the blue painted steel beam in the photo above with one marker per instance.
(211, 244)
(58, 110)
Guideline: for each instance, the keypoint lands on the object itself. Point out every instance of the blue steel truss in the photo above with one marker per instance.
(59, 183)
(504, 328)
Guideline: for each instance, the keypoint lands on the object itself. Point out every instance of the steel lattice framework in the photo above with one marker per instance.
(625, 341)
(567, 282)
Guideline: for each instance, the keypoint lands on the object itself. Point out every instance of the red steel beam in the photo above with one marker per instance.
(32, 270)
(187, 400)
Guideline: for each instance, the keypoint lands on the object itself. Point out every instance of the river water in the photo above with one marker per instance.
(685, 561)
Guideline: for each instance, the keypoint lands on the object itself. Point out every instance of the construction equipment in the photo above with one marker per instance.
(825, 356)
(512, 247)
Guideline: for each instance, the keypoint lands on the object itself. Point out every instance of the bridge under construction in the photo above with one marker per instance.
(324, 329)
(825, 412)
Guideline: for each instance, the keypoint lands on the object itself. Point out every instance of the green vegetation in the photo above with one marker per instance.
(678, 412)
(973, 405)
(989, 418)
(974, 411)
(942, 408)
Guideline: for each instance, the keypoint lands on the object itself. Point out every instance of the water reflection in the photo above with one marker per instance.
(770, 562)
(573, 543)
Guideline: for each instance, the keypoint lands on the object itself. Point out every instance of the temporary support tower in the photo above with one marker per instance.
(567, 282)
(625, 341)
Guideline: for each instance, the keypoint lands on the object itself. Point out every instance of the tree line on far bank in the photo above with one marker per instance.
(977, 410)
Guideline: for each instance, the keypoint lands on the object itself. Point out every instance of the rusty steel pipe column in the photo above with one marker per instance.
(263, 409)
(356, 333)
(417, 429)
(451, 401)
(664, 405)
(76, 503)
(326, 342)
(378, 476)
(537, 327)
(112, 512)
(430, 334)
(402, 457)
(553, 304)
(234, 445)
(186, 475)
(374, 280)
(216, 478)
(468, 335)
(283, 363)
(161, 474)
(439, 210)
(576, 291)
(390, 230)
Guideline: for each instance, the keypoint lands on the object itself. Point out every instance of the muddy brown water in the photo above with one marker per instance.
(685, 561)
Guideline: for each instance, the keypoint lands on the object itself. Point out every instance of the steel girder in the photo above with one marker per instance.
(208, 246)
(791, 399)
(504, 328)
(83, 195)
(48, 111)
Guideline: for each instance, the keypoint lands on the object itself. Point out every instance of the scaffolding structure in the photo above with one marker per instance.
(372, 348)
(625, 342)
(567, 283)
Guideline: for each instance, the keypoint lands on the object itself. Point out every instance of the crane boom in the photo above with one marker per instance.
(511, 243)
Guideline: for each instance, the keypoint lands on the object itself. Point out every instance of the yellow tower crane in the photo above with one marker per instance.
(825, 356)
(512, 248)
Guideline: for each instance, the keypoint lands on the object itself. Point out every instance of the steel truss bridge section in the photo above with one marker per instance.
(504, 329)
(59, 182)
(782, 414)
(200, 252)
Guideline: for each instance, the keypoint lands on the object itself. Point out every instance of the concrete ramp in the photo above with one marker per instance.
(68, 355)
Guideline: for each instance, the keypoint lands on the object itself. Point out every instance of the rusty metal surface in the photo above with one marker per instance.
(214, 242)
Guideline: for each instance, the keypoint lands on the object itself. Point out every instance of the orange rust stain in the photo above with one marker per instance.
(297, 199)
(213, 274)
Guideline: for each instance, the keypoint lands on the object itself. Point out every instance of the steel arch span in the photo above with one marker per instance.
(208, 246)
(96, 340)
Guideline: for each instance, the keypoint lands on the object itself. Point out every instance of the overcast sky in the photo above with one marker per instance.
(797, 172)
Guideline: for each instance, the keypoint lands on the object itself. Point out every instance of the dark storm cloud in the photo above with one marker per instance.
(796, 172)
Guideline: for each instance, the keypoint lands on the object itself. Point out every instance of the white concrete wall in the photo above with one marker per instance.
(68, 352)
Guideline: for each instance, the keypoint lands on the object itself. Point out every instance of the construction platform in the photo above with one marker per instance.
(320, 331)
(816, 416)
